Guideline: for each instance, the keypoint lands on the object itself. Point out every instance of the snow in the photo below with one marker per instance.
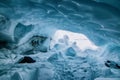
(69, 38)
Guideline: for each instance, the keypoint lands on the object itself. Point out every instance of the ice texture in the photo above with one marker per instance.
(60, 58)
(21, 30)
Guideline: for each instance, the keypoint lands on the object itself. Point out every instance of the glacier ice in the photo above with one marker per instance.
(19, 33)
(70, 52)
(5, 34)
(68, 39)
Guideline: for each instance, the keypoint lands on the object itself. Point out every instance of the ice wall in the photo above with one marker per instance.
(98, 20)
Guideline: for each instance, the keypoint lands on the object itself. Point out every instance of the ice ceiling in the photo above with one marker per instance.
(32, 28)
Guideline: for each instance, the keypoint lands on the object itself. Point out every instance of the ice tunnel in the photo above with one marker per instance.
(59, 39)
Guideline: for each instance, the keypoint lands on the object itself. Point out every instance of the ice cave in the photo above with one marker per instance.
(59, 39)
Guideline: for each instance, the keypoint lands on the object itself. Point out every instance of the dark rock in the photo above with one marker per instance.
(118, 66)
(107, 65)
(37, 40)
(38, 43)
(112, 64)
(27, 59)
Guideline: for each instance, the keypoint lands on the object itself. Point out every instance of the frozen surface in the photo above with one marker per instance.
(68, 39)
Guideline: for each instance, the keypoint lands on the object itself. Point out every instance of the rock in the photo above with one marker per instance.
(112, 64)
(114, 67)
(38, 43)
(21, 30)
(27, 59)
(37, 40)
(30, 46)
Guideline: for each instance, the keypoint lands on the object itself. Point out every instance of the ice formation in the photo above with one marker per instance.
(59, 40)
